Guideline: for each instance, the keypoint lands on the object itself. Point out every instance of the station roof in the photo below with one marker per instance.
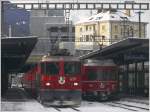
(128, 50)
(15, 51)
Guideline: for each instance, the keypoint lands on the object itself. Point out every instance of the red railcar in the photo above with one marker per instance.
(55, 80)
(99, 79)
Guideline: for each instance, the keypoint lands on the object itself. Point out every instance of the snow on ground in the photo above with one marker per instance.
(144, 100)
(36, 107)
(134, 104)
(18, 101)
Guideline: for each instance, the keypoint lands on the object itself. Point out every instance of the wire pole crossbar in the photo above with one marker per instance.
(81, 6)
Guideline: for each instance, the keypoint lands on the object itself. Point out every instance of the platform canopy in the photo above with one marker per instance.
(15, 51)
(125, 51)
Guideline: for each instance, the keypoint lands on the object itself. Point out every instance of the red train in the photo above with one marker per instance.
(55, 80)
(62, 80)
(99, 79)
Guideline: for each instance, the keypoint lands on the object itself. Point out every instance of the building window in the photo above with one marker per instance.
(116, 28)
(86, 28)
(94, 27)
(65, 38)
(73, 39)
(103, 27)
(116, 37)
(87, 38)
(54, 29)
(81, 39)
(80, 29)
(53, 39)
(73, 29)
(90, 28)
(64, 29)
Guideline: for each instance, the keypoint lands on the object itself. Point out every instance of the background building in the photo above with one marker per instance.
(52, 29)
(104, 28)
(15, 21)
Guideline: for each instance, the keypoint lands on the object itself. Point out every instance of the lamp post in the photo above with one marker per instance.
(139, 13)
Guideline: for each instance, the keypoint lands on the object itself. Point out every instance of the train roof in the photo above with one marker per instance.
(91, 62)
(58, 58)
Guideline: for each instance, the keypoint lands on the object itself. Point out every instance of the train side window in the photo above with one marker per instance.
(100, 75)
(92, 75)
(111, 75)
(105, 75)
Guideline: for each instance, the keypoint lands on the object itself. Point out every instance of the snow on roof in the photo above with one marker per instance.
(106, 16)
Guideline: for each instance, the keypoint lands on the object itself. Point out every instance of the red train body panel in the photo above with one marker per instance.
(55, 80)
(99, 79)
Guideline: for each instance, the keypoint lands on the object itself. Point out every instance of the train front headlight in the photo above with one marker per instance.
(48, 84)
(75, 84)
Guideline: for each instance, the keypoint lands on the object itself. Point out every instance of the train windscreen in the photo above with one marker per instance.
(51, 68)
(72, 68)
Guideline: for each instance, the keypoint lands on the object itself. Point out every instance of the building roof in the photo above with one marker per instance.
(107, 16)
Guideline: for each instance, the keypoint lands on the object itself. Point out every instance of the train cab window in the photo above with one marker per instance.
(72, 68)
(51, 68)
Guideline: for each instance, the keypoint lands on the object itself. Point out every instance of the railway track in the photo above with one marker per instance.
(61, 109)
(120, 106)
(117, 104)
(132, 106)
(126, 106)
(136, 101)
(75, 109)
